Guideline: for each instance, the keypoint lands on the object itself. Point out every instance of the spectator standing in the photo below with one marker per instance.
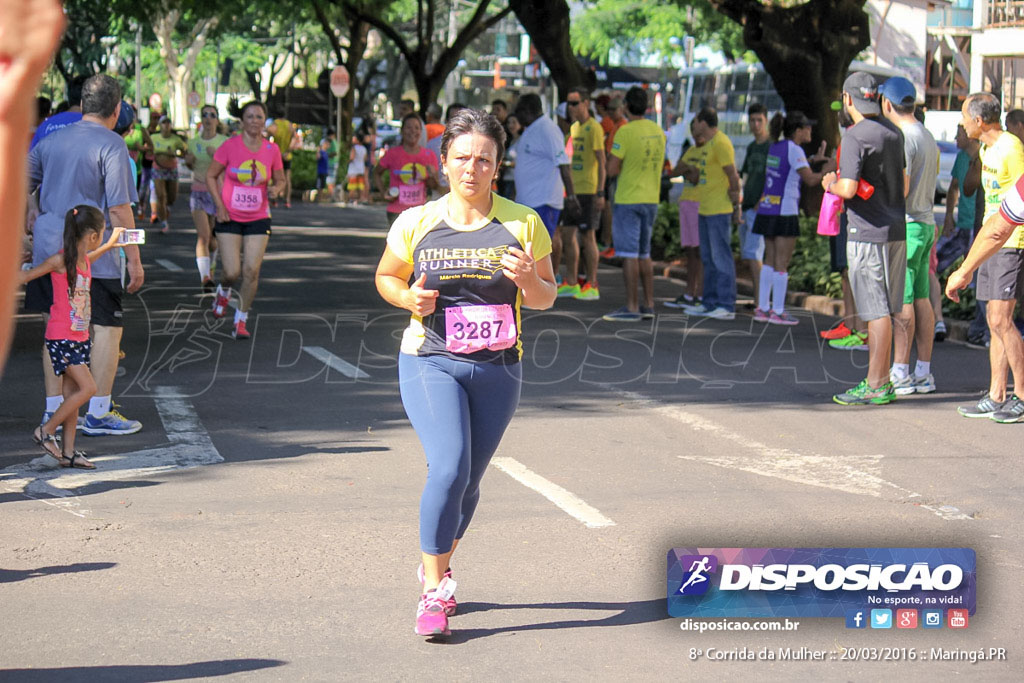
(636, 159)
(1002, 163)
(916, 320)
(611, 120)
(872, 181)
(542, 177)
(588, 179)
(777, 218)
(961, 218)
(752, 174)
(688, 166)
(87, 163)
(719, 206)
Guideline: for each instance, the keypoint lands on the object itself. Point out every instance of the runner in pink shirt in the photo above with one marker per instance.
(411, 170)
(252, 175)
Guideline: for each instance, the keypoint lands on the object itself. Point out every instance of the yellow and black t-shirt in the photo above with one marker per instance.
(464, 265)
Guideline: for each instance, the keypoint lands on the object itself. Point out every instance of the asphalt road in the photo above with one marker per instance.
(263, 524)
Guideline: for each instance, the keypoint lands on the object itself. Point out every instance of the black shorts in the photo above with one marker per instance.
(777, 226)
(587, 218)
(286, 164)
(106, 294)
(999, 278)
(260, 227)
(837, 247)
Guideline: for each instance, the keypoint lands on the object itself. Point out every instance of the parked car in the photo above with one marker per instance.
(947, 155)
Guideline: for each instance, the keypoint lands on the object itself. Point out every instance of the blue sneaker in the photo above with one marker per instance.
(47, 414)
(646, 313)
(623, 315)
(111, 423)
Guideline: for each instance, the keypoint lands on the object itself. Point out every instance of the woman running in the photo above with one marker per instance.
(777, 212)
(167, 147)
(412, 169)
(474, 258)
(67, 331)
(204, 211)
(252, 175)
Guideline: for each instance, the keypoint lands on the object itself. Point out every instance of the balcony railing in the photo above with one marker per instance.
(1005, 13)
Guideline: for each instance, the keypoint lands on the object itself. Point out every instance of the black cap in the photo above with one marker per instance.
(862, 87)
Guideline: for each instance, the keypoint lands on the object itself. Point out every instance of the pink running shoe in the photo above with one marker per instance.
(783, 318)
(449, 604)
(430, 617)
(220, 305)
(760, 316)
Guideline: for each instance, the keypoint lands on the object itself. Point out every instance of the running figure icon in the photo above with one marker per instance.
(697, 573)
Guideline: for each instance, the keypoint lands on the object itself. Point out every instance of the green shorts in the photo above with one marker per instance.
(920, 238)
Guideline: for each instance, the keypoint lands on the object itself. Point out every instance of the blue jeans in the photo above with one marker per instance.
(719, 266)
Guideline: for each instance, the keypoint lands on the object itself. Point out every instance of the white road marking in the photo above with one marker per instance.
(169, 265)
(339, 364)
(189, 445)
(858, 474)
(566, 500)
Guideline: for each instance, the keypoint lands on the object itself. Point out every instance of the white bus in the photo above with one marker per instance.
(732, 88)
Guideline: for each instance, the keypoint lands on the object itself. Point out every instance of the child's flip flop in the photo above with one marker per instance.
(50, 445)
(78, 461)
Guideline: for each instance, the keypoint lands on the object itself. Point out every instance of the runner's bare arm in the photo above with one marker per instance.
(392, 280)
(990, 239)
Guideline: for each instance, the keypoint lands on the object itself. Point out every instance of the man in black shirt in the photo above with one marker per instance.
(873, 182)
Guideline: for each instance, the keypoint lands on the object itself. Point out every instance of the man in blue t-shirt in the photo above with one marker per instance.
(73, 114)
(87, 163)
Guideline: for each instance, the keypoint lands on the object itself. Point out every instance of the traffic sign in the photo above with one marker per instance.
(339, 81)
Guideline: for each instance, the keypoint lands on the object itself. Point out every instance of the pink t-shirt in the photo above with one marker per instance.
(69, 318)
(246, 176)
(408, 174)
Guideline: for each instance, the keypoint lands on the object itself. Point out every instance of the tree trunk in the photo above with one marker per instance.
(547, 22)
(179, 72)
(806, 50)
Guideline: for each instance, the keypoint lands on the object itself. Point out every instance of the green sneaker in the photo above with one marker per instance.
(863, 394)
(565, 291)
(858, 341)
(588, 292)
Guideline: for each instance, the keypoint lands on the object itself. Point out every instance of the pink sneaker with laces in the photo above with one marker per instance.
(760, 316)
(783, 318)
(430, 617)
(449, 604)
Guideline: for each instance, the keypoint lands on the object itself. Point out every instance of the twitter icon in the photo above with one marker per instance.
(881, 618)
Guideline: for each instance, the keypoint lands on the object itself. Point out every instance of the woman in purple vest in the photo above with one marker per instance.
(777, 212)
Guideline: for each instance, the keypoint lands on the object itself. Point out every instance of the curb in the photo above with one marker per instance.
(956, 330)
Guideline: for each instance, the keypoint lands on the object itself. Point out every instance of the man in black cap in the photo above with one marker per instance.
(873, 181)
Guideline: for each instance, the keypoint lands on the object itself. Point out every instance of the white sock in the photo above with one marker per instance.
(240, 316)
(53, 402)
(765, 287)
(780, 281)
(203, 262)
(900, 370)
(922, 368)
(99, 406)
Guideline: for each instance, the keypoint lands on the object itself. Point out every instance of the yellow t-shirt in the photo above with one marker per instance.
(692, 156)
(641, 146)
(203, 149)
(586, 139)
(1001, 165)
(464, 266)
(169, 146)
(283, 138)
(713, 188)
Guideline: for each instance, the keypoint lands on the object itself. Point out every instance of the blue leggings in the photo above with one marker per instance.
(459, 410)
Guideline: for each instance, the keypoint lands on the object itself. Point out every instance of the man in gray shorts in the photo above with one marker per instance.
(872, 179)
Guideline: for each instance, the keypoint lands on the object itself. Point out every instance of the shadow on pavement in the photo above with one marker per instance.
(14, 575)
(628, 614)
(139, 673)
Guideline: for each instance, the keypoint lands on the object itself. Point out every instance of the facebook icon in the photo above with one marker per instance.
(856, 618)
